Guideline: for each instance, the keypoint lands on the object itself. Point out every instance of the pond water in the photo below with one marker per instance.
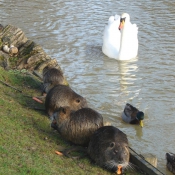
(72, 32)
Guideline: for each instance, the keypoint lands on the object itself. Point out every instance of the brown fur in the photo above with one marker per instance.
(77, 126)
(51, 77)
(62, 95)
(108, 147)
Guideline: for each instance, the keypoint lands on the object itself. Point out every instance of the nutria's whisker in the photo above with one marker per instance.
(110, 165)
(130, 166)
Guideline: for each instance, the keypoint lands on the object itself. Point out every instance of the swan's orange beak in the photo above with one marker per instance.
(122, 22)
(121, 25)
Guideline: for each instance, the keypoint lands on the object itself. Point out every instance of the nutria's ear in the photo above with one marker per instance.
(112, 144)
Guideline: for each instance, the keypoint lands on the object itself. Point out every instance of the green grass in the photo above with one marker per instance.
(27, 142)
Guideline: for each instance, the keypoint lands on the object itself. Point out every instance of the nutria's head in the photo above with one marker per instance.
(78, 103)
(63, 113)
(116, 154)
(53, 75)
(60, 115)
(108, 147)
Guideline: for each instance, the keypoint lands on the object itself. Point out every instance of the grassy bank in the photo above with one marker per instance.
(27, 143)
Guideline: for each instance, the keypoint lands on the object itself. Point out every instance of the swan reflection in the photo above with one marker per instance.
(128, 71)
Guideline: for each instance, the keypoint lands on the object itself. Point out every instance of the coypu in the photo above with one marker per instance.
(62, 95)
(51, 77)
(108, 147)
(77, 126)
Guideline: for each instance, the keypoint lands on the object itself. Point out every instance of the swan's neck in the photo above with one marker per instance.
(123, 39)
(127, 43)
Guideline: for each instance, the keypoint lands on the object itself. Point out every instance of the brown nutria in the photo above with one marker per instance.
(62, 95)
(108, 147)
(51, 77)
(77, 126)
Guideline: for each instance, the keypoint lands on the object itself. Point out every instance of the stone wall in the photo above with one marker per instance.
(30, 55)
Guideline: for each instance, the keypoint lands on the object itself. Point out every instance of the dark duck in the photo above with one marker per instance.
(132, 115)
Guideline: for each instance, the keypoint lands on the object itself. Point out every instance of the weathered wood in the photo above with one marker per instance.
(152, 159)
(143, 164)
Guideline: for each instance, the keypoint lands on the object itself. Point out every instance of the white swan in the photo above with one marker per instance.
(123, 44)
(111, 37)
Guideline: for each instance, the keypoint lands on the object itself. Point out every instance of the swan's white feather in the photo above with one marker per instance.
(120, 45)
(111, 38)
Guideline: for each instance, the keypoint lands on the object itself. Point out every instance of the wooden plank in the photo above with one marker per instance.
(143, 164)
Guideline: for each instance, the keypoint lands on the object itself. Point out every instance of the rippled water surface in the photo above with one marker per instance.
(72, 33)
